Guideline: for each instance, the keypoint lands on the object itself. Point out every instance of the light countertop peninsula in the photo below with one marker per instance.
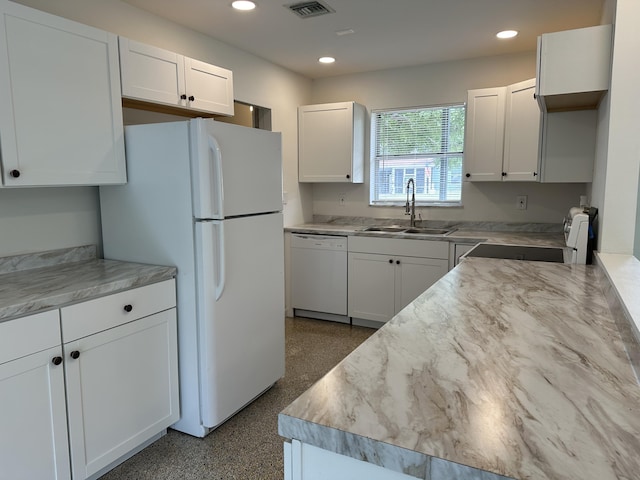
(36, 282)
(503, 368)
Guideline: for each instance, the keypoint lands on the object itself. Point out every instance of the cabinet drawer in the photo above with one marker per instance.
(399, 246)
(107, 312)
(27, 335)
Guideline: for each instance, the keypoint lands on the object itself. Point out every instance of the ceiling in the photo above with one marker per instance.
(386, 33)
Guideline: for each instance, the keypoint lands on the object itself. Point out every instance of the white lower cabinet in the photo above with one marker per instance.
(120, 390)
(76, 409)
(385, 275)
(33, 422)
(372, 280)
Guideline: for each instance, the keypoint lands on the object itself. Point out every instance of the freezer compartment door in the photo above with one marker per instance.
(236, 170)
(240, 311)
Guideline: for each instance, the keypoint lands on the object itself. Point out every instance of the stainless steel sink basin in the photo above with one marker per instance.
(429, 231)
(389, 228)
(415, 230)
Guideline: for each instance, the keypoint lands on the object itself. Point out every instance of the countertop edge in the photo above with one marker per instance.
(385, 455)
(355, 446)
(143, 275)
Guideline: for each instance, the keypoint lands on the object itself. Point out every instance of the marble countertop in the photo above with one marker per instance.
(38, 282)
(459, 235)
(503, 368)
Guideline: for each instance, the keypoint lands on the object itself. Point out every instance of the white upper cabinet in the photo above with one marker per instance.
(484, 134)
(331, 142)
(522, 133)
(502, 134)
(573, 68)
(60, 101)
(152, 74)
(508, 139)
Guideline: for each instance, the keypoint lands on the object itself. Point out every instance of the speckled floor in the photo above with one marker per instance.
(247, 446)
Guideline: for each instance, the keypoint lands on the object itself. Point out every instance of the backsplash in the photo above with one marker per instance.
(28, 261)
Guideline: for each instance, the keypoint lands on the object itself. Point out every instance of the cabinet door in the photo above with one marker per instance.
(371, 286)
(121, 390)
(151, 74)
(60, 102)
(326, 143)
(414, 276)
(33, 418)
(210, 87)
(484, 134)
(522, 133)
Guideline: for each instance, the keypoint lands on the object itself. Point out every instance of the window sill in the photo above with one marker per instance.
(418, 205)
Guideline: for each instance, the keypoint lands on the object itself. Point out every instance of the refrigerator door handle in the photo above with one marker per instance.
(215, 156)
(221, 263)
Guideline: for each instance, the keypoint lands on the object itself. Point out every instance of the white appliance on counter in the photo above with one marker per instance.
(207, 197)
(578, 233)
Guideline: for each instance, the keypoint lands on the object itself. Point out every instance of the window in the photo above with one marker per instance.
(423, 143)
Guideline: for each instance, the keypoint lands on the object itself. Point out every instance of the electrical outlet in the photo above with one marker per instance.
(521, 202)
(341, 199)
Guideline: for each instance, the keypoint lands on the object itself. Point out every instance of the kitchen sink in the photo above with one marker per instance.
(390, 228)
(430, 231)
(518, 252)
(416, 230)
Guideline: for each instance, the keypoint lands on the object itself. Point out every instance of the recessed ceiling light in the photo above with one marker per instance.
(326, 59)
(507, 34)
(243, 5)
(347, 31)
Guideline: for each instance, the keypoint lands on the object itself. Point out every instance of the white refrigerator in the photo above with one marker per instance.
(206, 197)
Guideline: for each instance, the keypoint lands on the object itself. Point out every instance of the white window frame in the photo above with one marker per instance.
(424, 185)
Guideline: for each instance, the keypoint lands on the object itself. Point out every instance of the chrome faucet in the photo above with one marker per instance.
(411, 210)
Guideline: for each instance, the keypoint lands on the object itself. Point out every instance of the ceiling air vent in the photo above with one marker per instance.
(310, 9)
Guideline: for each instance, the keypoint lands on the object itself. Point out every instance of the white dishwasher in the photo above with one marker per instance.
(319, 276)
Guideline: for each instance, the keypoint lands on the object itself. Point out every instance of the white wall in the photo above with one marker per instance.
(431, 85)
(617, 181)
(52, 218)
(34, 219)
(596, 190)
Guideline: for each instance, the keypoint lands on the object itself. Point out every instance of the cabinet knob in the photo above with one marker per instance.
(14, 173)
(535, 96)
(391, 260)
(535, 174)
(75, 354)
(504, 174)
(191, 98)
(397, 262)
(183, 96)
(56, 360)
(467, 175)
(128, 308)
(348, 176)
